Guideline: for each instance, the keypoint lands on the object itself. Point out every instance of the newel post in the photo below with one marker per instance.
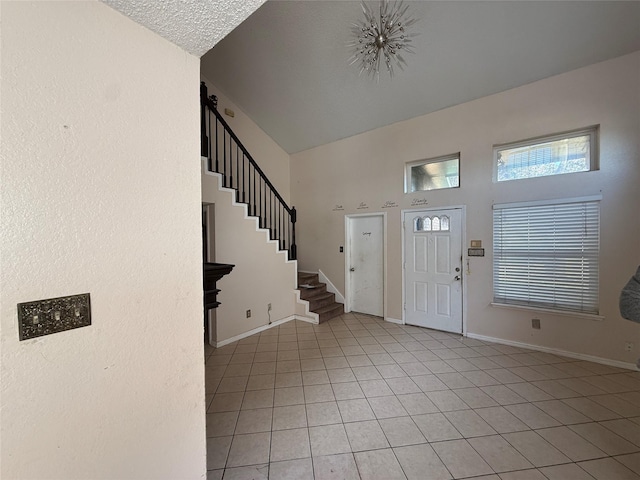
(293, 254)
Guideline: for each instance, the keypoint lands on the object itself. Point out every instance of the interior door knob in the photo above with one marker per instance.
(457, 277)
(352, 269)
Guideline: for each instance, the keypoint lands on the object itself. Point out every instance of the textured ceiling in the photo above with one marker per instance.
(286, 66)
(194, 25)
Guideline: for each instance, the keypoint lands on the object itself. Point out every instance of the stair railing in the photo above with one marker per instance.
(227, 156)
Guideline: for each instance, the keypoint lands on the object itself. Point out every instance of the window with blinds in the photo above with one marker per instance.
(546, 255)
(557, 154)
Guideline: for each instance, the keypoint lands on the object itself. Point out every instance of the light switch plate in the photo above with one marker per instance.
(53, 315)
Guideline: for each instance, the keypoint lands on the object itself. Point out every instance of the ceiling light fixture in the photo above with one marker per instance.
(382, 38)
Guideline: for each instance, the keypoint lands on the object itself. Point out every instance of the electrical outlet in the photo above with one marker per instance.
(268, 307)
(248, 313)
(628, 346)
(53, 315)
(535, 323)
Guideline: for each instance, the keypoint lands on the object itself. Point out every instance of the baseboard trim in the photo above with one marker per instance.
(556, 351)
(312, 321)
(254, 331)
(394, 320)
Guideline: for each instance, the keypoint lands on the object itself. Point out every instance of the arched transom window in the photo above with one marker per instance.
(435, 223)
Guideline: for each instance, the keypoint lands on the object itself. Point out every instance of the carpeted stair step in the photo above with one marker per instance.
(308, 278)
(312, 292)
(320, 301)
(329, 312)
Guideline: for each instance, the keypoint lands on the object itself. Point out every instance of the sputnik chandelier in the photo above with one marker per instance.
(382, 39)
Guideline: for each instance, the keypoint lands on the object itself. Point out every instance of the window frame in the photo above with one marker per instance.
(443, 158)
(593, 132)
(520, 304)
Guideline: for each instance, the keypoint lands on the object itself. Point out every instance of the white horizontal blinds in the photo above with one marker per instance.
(547, 255)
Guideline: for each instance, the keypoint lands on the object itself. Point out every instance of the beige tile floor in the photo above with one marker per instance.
(360, 398)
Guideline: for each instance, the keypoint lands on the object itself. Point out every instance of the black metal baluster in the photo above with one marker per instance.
(275, 218)
(208, 142)
(261, 203)
(285, 228)
(279, 234)
(224, 159)
(230, 158)
(237, 175)
(244, 189)
(217, 154)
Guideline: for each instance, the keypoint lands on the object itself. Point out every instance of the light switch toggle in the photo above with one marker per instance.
(53, 315)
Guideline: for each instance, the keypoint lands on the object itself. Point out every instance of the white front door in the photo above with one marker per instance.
(433, 269)
(365, 273)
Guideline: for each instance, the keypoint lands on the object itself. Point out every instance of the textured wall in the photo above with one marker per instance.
(368, 168)
(100, 194)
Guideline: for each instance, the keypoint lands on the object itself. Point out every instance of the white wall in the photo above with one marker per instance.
(100, 194)
(269, 156)
(368, 168)
(261, 275)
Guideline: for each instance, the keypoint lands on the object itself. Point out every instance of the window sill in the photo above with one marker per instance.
(562, 313)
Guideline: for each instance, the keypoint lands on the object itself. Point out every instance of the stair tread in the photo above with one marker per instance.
(329, 308)
(320, 301)
(323, 295)
(309, 296)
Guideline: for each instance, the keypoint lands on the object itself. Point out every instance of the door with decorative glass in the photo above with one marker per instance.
(433, 269)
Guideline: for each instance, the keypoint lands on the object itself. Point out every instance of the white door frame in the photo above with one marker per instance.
(347, 259)
(464, 261)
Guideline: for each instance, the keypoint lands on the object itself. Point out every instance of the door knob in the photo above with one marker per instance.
(457, 277)
(352, 269)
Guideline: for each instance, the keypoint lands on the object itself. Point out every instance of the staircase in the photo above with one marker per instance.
(227, 156)
(239, 173)
(321, 302)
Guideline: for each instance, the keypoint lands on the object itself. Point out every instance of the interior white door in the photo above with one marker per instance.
(366, 264)
(433, 269)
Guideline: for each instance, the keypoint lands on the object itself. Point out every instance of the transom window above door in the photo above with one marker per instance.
(432, 174)
(431, 224)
